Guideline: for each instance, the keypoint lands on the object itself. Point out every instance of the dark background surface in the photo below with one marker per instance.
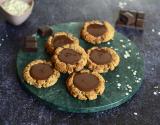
(17, 107)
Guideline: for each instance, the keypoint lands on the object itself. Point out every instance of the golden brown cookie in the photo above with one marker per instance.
(69, 58)
(60, 39)
(102, 59)
(85, 85)
(97, 32)
(40, 74)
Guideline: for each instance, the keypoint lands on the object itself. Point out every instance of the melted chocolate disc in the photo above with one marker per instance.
(41, 71)
(96, 29)
(69, 56)
(100, 56)
(85, 81)
(62, 40)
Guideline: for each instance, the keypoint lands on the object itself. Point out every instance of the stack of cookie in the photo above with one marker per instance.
(83, 66)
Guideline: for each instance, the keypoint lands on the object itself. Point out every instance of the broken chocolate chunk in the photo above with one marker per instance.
(30, 44)
(131, 20)
(127, 18)
(44, 31)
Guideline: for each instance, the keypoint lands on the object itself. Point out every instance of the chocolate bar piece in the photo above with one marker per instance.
(128, 18)
(44, 31)
(131, 19)
(30, 44)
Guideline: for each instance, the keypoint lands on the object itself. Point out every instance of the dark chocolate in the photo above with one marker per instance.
(41, 71)
(96, 29)
(100, 56)
(30, 44)
(44, 31)
(61, 40)
(69, 56)
(85, 81)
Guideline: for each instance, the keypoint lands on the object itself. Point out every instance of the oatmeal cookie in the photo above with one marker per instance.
(60, 39)
(69, 58)
(40, 74)
(97, 32)
(102, 59)
(85, 85)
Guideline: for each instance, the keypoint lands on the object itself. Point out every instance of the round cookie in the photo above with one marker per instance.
(97, 32)
(60, 39)
(40, 74)
(85, 85)
(102, 59)
(69, 58)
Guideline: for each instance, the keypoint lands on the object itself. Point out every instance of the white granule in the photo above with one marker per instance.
(155, 93)
(118, 84)
(135, 113)
(121, 40)
(153, 30)
(117, 75)
(127, 93)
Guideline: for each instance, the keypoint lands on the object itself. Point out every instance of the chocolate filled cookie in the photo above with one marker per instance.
(86, 85)
(69, 58)
(60, 39)
(102, 59)
(96, 32)
(40, 73)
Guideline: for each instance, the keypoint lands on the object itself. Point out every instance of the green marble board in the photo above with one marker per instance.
(122, 83)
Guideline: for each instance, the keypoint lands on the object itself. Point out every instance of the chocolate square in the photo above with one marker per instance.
(140, 15)
(131, 19)
(127, 17)
(140, 24)
(44, 31)
(30, 44)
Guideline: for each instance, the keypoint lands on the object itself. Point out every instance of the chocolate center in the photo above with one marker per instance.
(85, 81)
(100, 56)
(69, 56)
(96, 29)
(41, 71)
(62, 40)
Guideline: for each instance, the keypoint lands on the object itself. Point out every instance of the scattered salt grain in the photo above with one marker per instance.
(119, 84)
(108, 43)
(0, 44)
(2, 39)
(155, 93)
(127, 93)
(130, 90)
(123, 46)
(153, 30)
(134, 73)
(152, 69)
(158, 33)
(118, 76)
(128, 67)
(121, 40)
(135, 113)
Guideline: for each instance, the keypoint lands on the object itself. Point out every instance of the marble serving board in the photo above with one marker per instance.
(121, 85)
